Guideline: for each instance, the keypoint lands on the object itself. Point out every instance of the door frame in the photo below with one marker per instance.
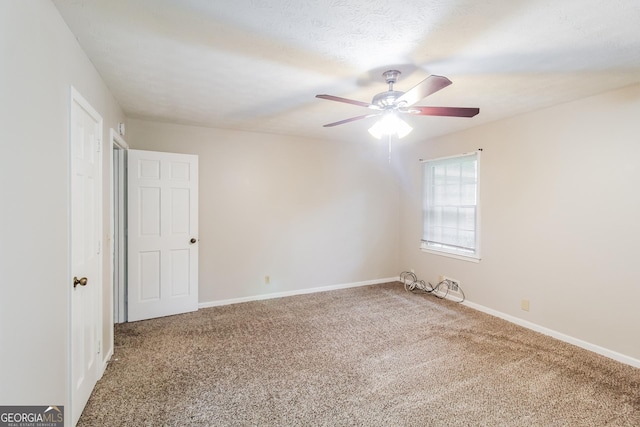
(118, 232)
(76, 97)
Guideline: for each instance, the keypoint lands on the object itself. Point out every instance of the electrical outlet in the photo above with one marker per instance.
(267, 280)
(524, 304)
(454, 285)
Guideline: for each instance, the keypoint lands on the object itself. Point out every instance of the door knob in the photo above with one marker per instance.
(81, 282)
(192, 241)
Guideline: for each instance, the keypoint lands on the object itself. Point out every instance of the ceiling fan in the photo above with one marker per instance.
(391, 103)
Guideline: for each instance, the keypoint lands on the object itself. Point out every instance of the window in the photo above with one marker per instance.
(450, 206)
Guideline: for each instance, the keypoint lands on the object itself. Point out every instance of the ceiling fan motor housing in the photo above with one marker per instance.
(387, 99)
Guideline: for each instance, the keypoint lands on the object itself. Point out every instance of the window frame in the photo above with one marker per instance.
(447, 251)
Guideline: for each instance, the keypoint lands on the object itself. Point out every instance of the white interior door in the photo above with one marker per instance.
(86, 259)
(162, 234)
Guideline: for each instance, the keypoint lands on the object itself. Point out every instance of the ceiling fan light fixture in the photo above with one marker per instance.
(390, 124)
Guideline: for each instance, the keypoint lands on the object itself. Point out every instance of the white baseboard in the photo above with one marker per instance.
(295, 292)
(558, 335)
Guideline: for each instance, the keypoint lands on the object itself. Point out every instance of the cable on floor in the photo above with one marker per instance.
(441, 290)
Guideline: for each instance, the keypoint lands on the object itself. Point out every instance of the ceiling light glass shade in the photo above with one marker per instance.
(390, 124)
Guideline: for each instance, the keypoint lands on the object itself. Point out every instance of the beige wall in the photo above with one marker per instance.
(308, 213)
(560, 218)
(40, 61)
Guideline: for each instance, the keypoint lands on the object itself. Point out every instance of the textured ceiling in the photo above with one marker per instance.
(257, 65)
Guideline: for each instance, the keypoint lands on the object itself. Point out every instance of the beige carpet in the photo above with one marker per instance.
(369, 356)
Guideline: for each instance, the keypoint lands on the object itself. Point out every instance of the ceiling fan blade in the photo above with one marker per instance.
(352, 119)
(444, 111)
(348, 101)
(428, 86)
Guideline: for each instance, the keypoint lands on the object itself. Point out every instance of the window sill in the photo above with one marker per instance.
(452, 255)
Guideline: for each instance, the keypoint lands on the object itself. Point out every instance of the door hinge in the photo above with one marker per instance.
(98, 145)
(99, 345)
(99, 248)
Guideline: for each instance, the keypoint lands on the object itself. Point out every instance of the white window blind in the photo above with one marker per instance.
(450, 205)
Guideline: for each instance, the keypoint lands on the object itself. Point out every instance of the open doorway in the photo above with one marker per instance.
(119, 226)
